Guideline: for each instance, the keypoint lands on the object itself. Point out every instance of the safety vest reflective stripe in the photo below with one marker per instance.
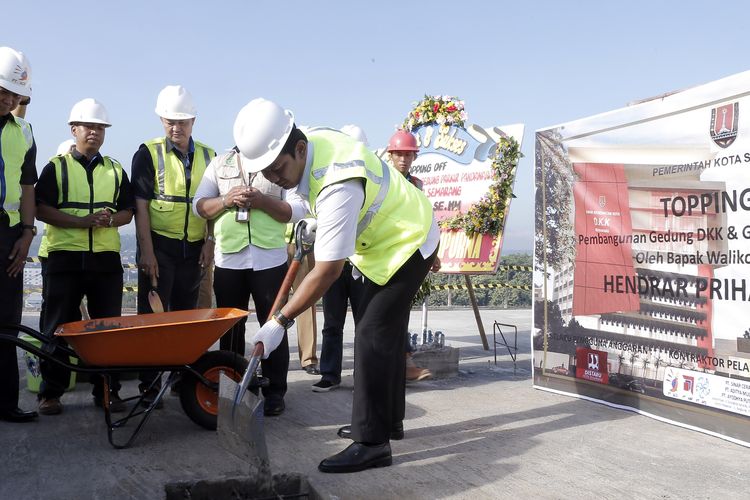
(160, 172)
(384, 182)
(26, 131)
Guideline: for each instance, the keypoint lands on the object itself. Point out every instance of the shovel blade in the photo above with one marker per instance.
(154, 301)
(240, 428)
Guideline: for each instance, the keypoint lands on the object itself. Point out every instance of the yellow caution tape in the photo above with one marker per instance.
(433, 287)
(35, 260)
(480, 286)
(516, 268)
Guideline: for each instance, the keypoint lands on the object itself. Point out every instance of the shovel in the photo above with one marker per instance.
(153, 297)
(240, 421)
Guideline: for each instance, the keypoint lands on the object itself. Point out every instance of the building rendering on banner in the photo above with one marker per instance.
(643, 235)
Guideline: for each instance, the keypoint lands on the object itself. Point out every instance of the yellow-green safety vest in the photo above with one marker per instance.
(170, 211)
(396, 217)
(260, 229)
(15, 141)
(43, 251)
(76, 196)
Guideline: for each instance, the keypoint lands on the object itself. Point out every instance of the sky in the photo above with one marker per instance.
(540, 63)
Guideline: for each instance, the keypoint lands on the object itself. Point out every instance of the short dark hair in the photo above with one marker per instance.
(291, 142)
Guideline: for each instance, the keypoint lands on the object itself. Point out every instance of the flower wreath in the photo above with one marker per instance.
(438, 109)
(487, 216)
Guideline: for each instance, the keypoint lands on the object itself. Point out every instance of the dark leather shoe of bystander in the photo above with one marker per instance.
(50, 406)
(18, 415)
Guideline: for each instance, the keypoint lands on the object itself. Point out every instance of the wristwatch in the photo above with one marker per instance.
(283, 320)
(30, 227)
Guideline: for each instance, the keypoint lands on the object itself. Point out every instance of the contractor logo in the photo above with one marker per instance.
(593, 361)
(671, 382)
(591, 365)
(688, 382)
(703, 387)
(724, 122)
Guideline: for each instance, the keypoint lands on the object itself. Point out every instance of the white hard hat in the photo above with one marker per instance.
(89, 111)
(260, 132)
(65, 147)
(15, 72)
(175, 103)
(356, 133)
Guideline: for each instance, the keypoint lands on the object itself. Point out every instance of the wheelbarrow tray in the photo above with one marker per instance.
(158, 339)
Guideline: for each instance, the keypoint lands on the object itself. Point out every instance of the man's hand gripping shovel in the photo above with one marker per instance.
(240, 422)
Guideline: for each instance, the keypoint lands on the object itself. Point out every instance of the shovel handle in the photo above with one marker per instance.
(286, 285)
(257, 351)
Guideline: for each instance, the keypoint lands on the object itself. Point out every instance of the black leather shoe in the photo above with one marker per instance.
(18, 415)
(397, 432)
(273, 407)
(357, 457)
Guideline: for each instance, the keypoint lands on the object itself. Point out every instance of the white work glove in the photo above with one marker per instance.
(271, 334)
(307, 235)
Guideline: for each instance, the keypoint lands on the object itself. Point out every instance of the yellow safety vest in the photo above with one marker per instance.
(43, 251)
(260, 229)
(80, 197)
(15, 141)
(395, 218)
(170, 211)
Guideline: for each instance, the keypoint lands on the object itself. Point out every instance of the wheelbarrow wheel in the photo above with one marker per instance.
(200, 402)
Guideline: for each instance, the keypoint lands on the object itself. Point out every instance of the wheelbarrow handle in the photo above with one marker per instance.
(47, 345)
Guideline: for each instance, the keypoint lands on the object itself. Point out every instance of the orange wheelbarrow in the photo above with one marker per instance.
(175, 342)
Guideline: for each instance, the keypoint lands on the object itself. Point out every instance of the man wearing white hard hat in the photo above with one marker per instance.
(174, 247)
(83, 197)
(368, 212)
(17, 178)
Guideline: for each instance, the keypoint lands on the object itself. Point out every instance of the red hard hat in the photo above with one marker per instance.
(402, 141)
